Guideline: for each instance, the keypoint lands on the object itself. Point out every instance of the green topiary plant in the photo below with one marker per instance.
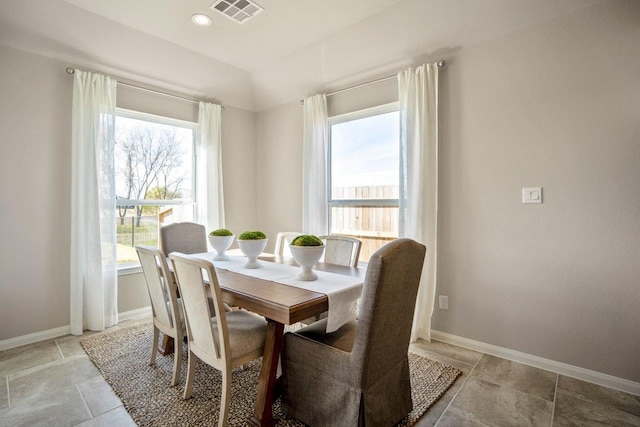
(221, 232)
(252, 235)
(307, 240)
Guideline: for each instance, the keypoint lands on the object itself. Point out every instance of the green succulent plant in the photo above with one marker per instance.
(307, 240)
(252, 235)
(221, 232)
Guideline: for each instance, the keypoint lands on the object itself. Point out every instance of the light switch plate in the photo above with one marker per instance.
(444, 302)
(532, 195)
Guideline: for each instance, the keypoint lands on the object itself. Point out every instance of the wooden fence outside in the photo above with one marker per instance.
(375, 225)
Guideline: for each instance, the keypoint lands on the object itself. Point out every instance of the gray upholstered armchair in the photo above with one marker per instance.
(359, 375)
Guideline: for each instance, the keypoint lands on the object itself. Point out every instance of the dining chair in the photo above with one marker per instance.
(221, 339)
(341, 250)
(183, 237)
(168, 315)
(283, 240)
(359, 374)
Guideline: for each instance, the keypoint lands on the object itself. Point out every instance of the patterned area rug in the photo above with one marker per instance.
(122, 356)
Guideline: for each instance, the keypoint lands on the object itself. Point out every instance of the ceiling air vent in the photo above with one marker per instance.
(238, 10)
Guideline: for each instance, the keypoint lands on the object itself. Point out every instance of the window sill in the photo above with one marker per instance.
(126, 269)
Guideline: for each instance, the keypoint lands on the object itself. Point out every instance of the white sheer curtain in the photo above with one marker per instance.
(209, 192)
(93, 207)
(418, 93)
(314, 166)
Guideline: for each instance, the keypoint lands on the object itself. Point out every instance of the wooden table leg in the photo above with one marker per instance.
(167, 345)
(262, 411)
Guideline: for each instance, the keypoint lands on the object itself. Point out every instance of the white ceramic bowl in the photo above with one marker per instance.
(306, 257)
(220, 244)
(252, 248)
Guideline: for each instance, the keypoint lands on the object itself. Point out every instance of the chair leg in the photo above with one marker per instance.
(154, 346)
(177, 362)
(225, 397)
(191, 370)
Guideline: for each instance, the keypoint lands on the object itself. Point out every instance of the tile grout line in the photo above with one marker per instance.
(8, 393)
(84, 402)
(59, 349)
(457, 392)
(555, 398)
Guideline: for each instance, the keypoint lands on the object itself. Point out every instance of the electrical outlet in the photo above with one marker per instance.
(444, 302)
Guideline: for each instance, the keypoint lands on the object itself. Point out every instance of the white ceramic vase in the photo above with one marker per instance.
(252, 248)
(306, 257)
(220, 244)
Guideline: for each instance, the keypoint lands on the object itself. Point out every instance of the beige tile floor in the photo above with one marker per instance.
(53, 383)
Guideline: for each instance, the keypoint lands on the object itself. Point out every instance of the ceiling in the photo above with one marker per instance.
(290, 50)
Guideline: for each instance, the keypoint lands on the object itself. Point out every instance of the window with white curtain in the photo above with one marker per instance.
(363, 176)
(154, 178)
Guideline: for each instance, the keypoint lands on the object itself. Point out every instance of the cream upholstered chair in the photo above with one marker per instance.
(359, 375)
(283, 240)
(341, 250)
(168, 316)
(183, 237)
(229, 340)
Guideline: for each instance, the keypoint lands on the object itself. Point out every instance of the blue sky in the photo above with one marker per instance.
(365, 151)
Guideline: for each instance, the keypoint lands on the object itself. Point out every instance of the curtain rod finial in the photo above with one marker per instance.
(70, 70)
(441, 63)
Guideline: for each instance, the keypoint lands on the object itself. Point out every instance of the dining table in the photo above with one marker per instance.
(281, 304)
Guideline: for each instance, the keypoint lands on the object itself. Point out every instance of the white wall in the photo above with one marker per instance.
(556, 106)
(35, 133)
(35, 129)
(279, 170)
(239, 169)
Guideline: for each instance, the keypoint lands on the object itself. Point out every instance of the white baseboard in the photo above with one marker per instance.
(35, 337)
(64, 330)
(134, 314)
(542, 363)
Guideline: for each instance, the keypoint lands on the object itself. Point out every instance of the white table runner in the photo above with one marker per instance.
(342, 291)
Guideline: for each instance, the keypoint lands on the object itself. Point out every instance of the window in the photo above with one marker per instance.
(364, 170)
(154, 178)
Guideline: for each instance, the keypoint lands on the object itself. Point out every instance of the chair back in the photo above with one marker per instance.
(341, 250)
(387, 306)
(184, 237)
(194, 276)
(283, 240)
(162, 290)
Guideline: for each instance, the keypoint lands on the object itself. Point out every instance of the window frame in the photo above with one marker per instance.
(347, 117)
(133, 268)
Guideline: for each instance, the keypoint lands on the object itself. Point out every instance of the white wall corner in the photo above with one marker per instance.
(539, 362)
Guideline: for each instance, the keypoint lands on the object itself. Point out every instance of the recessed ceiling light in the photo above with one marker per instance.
(201, 19)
